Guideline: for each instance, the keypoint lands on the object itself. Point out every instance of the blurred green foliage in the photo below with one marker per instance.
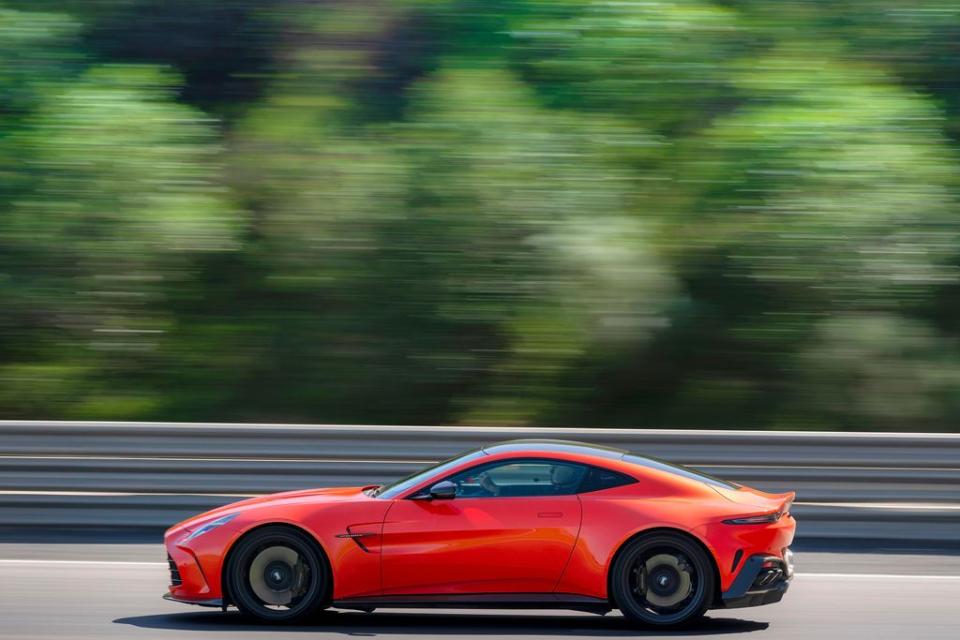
(733, 214)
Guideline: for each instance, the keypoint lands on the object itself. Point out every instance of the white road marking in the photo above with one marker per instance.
(119, 563)
(877, 576)
(924, 506)
(122, 494)
(832, 467)
(863, 576)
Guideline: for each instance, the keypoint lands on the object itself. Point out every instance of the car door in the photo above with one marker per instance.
(510, 529)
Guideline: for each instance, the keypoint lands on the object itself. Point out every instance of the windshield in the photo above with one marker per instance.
(676, 469)
(394, 489)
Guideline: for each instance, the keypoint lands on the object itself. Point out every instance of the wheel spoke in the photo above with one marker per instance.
(664, 582)
(277, 576)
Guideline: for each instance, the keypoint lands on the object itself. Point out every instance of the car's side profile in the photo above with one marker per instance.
(519, 524)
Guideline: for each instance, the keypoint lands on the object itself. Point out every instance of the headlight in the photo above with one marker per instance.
(209, 527)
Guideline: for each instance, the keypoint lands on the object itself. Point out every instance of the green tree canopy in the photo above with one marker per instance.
(688, 213)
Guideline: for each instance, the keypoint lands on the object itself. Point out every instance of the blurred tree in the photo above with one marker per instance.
(221, 50)
(879, 370)
(114, 184)
(666, 65)
(690, 213)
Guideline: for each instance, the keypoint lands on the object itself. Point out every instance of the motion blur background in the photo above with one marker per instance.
(733, 214)
(726, 215)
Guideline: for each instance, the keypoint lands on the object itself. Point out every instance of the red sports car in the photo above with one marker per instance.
(520, 524)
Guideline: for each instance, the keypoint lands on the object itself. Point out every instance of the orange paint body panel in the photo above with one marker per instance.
(478, 545)
(405, 545)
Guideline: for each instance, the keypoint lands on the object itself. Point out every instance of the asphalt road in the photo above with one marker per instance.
(91, 591)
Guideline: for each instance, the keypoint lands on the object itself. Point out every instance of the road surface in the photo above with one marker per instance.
(96, 591)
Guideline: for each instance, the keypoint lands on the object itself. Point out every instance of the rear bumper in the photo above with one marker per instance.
(762, 580)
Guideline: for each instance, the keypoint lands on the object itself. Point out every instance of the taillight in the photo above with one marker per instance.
(766, 518)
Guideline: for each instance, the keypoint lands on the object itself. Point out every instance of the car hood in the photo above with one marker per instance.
(326, 495)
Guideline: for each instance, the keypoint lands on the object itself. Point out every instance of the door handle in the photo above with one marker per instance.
(550, 514)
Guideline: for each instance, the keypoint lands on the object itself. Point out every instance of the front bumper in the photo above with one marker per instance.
(188, 583)
(762, 580)
(203, 602)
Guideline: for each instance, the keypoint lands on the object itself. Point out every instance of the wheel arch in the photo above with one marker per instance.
(228, 556)
(665, 530)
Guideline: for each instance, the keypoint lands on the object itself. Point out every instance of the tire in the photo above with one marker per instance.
(278, 574)
(662, 580)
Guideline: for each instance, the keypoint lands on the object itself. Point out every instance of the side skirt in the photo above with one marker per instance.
(479, 601)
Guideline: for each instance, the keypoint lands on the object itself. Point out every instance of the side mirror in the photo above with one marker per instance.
(445, 490)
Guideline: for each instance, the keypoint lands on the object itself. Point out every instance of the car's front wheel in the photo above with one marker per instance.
(663, 580)
(278, 574)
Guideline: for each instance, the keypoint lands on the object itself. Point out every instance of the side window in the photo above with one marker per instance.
(519, 478)
(597, 479)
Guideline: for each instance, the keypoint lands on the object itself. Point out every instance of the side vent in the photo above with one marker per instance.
(175, 578)
(736, 559)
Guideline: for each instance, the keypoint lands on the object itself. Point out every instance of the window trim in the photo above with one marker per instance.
(423, 491)
(630, 480)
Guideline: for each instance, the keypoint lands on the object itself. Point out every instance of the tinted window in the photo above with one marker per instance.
(597, 479)
(520, 478)
(676, 469)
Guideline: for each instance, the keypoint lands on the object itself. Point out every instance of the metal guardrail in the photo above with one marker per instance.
(850, 486)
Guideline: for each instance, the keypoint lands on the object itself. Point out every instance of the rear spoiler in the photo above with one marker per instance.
(787, 501)
(779, 506)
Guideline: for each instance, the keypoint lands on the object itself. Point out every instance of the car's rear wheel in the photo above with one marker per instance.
(278, 574)
(663, 580)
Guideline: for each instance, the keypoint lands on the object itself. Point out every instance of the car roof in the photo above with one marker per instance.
(554, 446)
(542, 446)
